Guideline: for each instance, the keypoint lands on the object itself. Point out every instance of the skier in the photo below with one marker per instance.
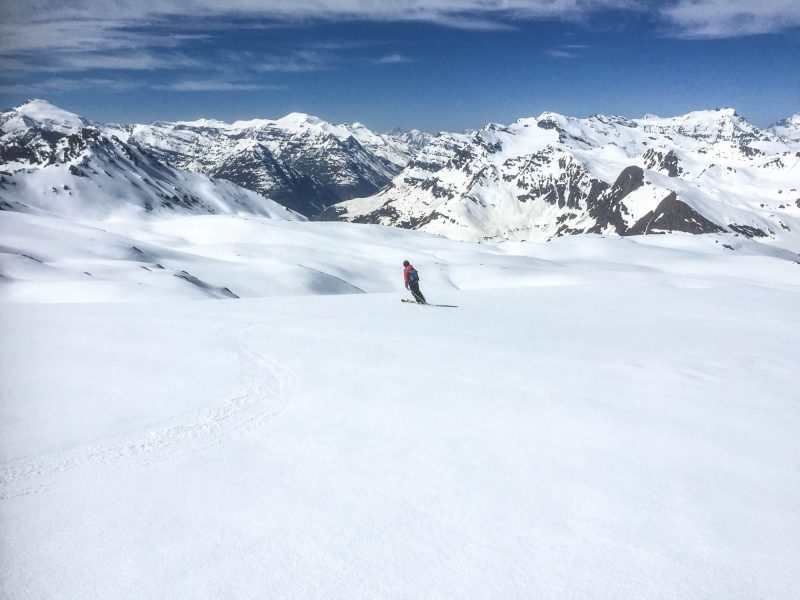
(411, 278)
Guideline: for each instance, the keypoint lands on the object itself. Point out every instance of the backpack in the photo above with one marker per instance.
(413, 276)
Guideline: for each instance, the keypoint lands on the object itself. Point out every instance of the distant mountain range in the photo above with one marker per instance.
(299, 160)
(552, 175)
(706, 171)
(54, 161)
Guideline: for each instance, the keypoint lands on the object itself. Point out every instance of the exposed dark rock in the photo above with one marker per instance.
(573, 187)
(672, 214)
(211, 290)
(14, 152)
(385, 213)
(629, 180)
(608, 210)
(258, 170)
(747, 230)
(437, 190)
(549, 123)
(750, 151)
(659, 161)
(419, 222)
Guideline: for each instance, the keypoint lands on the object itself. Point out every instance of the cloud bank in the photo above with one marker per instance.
(99, 37)
(117, 24)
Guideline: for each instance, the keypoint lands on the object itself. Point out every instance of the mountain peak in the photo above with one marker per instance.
(788, 128)
(43, 114)
(793, 120)
(714, 114)
(549, 115)
(298, 119)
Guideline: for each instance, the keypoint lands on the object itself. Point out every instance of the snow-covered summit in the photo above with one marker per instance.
(788, 128)
(299, 120)
(707, 125)
(41, 114)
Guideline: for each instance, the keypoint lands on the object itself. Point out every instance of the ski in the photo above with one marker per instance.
(407, 301)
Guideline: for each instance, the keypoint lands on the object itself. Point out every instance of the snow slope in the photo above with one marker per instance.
(599, 418)
(47, 258)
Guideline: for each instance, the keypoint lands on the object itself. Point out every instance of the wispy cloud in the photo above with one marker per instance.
(131, 61)
(105, 24)
(211, 85)
(60, 85)
(566, 50)
(296, 62)
(730, 18)
(85, 35)
(393, 59)
(556, 53)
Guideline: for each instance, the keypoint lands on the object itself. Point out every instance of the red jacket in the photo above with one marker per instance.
(405, 274)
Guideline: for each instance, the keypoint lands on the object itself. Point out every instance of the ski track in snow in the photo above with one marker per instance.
(265, 393)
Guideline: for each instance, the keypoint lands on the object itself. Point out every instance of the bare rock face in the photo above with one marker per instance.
(666, 162)
(673, 215)
(608, 210)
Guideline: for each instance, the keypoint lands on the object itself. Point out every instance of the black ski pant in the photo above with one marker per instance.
(414, 287)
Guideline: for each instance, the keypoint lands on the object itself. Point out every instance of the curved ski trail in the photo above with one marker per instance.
(264, 394)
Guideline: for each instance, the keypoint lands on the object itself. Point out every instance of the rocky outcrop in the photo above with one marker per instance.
(673, 215)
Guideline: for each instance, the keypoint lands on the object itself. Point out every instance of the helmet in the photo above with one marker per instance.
(406, 263)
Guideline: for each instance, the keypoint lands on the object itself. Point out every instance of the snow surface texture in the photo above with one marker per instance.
(554, 175)
(600, 418)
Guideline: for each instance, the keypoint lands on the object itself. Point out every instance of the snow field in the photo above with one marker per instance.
(600, 417)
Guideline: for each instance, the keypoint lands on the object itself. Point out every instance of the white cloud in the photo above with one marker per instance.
(556, 53)
(98, 26)
(102, 24)
(61, 84)
(393, 59)
(212, 85)
(131, 61)
(296, 62)
(731, 18)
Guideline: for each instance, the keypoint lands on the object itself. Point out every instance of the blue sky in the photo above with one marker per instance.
(438, 65)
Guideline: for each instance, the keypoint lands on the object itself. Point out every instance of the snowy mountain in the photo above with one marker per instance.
(706, 171)
(552, 175)
(56, 161)
(300, 161)
(788, 128)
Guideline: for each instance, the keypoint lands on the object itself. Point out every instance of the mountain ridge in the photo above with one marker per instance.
(54, 161)
(553, 175)
(535, 178)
